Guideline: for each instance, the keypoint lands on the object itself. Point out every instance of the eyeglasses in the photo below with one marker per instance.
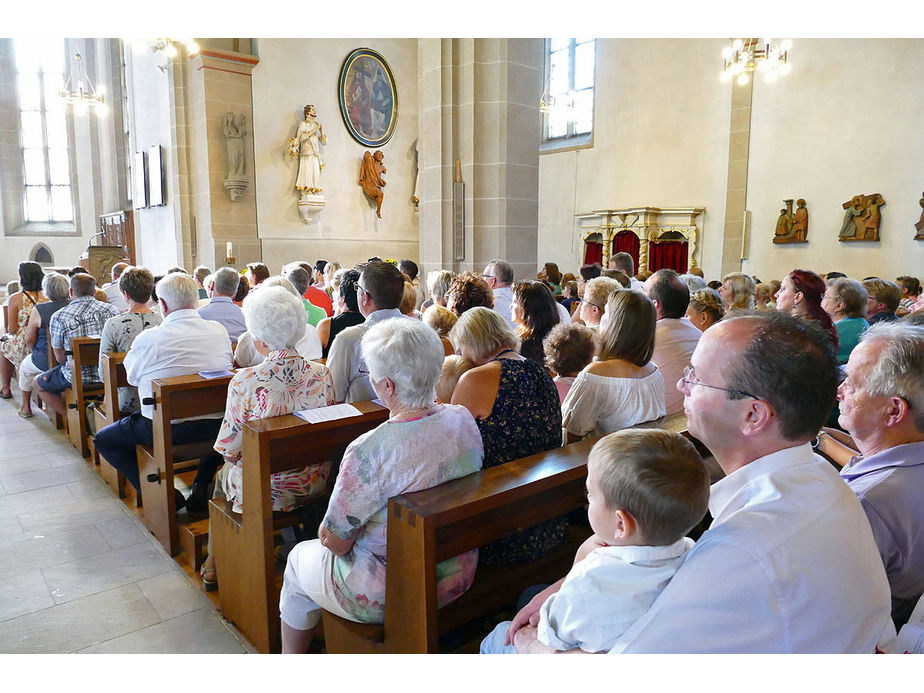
(487, 276)
(360, 290)
(590, 304)
(688, 377)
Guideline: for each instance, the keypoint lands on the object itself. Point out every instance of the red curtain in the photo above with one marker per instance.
(670, 254)
(626, 242)
(593, 252)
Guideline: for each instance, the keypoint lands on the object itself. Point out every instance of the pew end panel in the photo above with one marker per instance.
(107, 412)
(179, 397)
(243, 543)
(84, 351)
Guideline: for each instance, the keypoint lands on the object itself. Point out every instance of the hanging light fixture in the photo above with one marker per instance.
(78, 90)
(745, 56)
(168, 46)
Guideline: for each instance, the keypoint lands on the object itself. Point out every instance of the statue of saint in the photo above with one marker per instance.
(854, 208)
(919, 227)
(800, 222)
(306, 145)
(234, 129)
(872, 218)
(370, 177)
(784, 222)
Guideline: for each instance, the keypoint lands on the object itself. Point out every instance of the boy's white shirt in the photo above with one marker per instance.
(606, 593)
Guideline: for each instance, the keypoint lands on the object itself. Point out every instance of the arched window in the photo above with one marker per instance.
(42, 255)
(45, 148)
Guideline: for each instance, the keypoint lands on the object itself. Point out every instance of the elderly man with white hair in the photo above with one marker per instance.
(343, 571)
(184, 344)
(282, 383)
(221, 308)
(882, 407)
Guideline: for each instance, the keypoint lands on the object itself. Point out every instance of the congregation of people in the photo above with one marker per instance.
(808, 393)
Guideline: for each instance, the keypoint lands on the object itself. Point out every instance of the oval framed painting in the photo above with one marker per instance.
(368, 97)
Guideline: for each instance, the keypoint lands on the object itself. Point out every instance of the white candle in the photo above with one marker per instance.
(229, 254)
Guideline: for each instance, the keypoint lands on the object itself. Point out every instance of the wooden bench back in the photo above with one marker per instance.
(84, 351)
(243, 544)
(174, 398)
(113, 376)
(429, 526)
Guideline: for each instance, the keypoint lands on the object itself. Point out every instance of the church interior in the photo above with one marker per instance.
(189, 152)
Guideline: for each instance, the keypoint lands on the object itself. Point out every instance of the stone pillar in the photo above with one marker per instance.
(739, 139)
(219, 82)
(479, 104)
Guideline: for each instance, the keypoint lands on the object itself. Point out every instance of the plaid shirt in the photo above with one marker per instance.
(82, 317)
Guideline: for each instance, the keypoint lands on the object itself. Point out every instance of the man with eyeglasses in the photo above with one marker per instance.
(789, 563)
(882, 407)
(378, 292)
(593, 303)
(499, 276)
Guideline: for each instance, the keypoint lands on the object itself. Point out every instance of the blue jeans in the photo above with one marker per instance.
(494, 642)
(116, 442)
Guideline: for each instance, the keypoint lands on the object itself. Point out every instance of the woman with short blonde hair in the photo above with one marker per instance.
(705, 308)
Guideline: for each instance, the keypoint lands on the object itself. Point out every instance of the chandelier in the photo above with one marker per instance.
(78, 90)
(168, 46)
(745, 56)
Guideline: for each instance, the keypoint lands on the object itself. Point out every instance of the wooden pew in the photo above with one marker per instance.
(427, 527)
(107, 412)
(242, 544)
(84, 351)
(59, 421)
(174, 398)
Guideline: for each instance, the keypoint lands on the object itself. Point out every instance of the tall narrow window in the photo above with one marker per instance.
(46, 160)
(570, 86)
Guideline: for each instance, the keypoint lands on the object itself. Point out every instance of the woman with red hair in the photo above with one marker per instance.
(800, 294)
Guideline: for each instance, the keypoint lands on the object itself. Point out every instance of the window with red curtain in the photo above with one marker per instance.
(593, 252)
(626, 242)
(669, 254)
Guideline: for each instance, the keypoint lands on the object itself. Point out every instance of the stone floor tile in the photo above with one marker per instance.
(37, 551)
(69, 512)
(42, 478)
(20, 465)
(123, 531)
(199, 632)
(38, 501)
(79, 623)
(88, 489)
(171, 595)
(86, 576)
(22, 594)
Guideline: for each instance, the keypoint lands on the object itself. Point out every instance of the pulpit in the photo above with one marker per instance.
(98, 260)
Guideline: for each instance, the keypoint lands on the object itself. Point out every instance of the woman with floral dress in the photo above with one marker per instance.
(343, 570)
(283, 383)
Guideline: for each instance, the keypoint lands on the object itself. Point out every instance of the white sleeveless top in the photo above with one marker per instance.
(599, 404)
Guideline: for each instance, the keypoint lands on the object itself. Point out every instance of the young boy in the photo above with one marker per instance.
(646, 488)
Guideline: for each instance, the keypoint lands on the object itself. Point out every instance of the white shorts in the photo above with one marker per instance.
(307, 588)
(27, 373)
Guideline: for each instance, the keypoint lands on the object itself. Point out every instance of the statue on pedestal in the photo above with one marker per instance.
(919, 227)
(234, 129)
(306, 145)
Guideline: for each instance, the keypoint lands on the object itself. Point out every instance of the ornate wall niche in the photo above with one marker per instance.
(42, 254)
(652, 225)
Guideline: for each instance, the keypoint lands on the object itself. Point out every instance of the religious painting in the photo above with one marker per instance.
(368, 97)
(792, 224)
(861, 218)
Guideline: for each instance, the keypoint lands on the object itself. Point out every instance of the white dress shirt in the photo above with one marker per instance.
(606, 593)
(345, 359)
(503, 297)
(115, 297)
(183, 344)
(675, 341)
(789, 565)
(564, 317)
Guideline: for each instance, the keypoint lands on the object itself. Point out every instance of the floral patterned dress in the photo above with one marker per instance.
(282, 384)
(396, 458)
(525, 420)
(14, 347)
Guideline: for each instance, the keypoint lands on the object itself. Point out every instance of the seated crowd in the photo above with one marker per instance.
(808, 392)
